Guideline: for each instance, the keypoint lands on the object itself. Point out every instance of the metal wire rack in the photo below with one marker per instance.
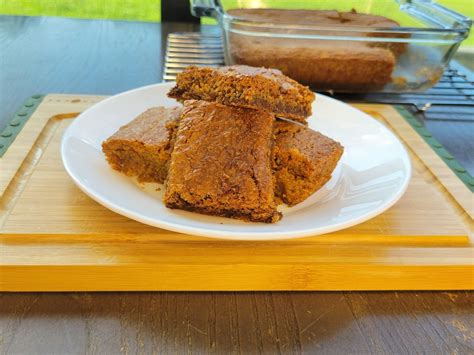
(452, 98)
(191, 48)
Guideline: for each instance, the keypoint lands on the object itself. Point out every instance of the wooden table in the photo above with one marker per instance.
(42, 55)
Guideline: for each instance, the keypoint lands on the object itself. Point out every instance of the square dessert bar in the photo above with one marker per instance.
(303, 161)
(245, 86)
(221, 163)
(142, 148)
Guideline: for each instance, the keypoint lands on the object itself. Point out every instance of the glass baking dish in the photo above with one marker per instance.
(329, 50)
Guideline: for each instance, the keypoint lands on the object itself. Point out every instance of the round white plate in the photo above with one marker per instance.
(372, 175)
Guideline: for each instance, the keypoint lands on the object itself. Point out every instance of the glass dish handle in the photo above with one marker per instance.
(206, 8)
(430, 12)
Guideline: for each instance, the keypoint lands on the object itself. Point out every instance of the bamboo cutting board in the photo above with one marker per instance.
(55, 238)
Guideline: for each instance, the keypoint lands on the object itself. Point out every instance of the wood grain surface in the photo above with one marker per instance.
(184, 322)
(237, 323)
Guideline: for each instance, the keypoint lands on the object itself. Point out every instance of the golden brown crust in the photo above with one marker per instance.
(313, 17)
(245, 86)
(142, 147)
(220, 164)
(303, 161)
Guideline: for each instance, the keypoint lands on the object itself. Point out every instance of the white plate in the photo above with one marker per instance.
(372, 175)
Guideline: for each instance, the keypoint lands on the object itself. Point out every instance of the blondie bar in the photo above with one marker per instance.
(221, 162)
(245, 86)
(303, 161)
(142, 147)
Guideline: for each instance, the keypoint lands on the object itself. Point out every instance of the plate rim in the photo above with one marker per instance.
(234, 235)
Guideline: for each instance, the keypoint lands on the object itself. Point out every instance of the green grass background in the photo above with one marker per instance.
(149, 10)
(136, 10)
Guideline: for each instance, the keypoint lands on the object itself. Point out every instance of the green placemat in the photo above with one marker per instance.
(18, 121)
(439, 149)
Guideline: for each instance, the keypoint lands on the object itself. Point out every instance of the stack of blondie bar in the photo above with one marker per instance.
(223, 152)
